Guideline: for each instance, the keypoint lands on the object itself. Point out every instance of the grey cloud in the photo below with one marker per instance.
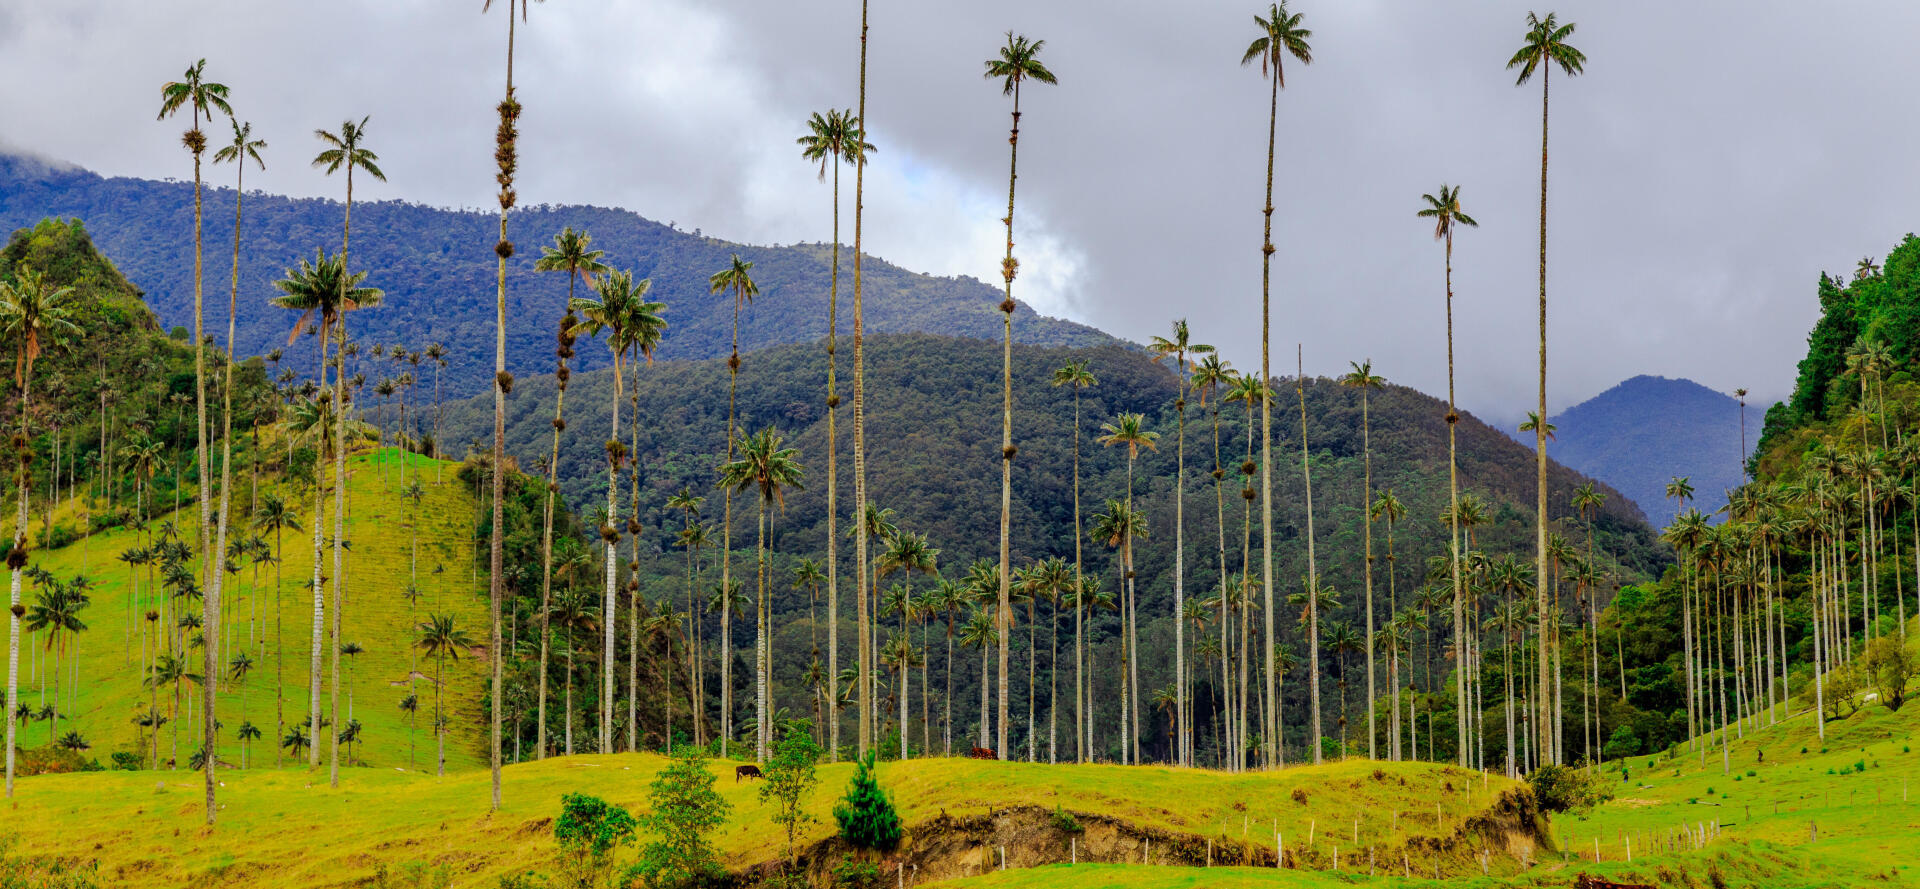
(1699, 185)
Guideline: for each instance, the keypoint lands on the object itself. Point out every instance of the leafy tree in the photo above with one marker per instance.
(790, 779)
(1891, 665)
(588, 830)
(684, 808)
(866, 815)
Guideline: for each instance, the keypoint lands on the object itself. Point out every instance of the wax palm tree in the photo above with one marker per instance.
(1280, 36)
(1076, 375)
(201, 98)
(728, 599)
(33, 315)
(737, 280)
(1129, 430)
(632, 323)
(832, 140)
(808, 576)
(170, 671)
(322, 291)
(1118, 527)
(572, 252)
(342, 151)
(1017, 62)
(1388, 508)
(1544, 47)
(1340, 640)
(237, 671)
(275, 515)
(864, 695)
(1447, 216)
(506, 159)
(1363, 378)
(770, 470)
(907, 553)
(979, 632)
(1177, 348)
(441, 638)
(295, 742)
(243, 148)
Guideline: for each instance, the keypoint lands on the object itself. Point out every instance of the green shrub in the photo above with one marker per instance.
(856, 873)
(866, 815)
(1064, 821)
(790, 779)
(126, 761)
(683, 809)
(588, 830)
(1562, 789)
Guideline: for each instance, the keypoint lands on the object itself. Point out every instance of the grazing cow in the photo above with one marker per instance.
(982, 753)
(740, 772)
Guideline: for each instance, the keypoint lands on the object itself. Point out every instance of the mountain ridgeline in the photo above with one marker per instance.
(436, 267)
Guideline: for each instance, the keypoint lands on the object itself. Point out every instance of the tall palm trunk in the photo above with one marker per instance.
(859, 411)
(18, 562)
(1081, 719)
(763, 730)
(1453, 535)
(1274, 750)
(1540, 441)
(339, 492)
(1313, 576)
(1366, 513)
(319, 590)
(546, 532)
(505, 153)
(609, 609)
(1005, 614)
(1182, 752)
(217, 577)
(833, 481)
(633, 594)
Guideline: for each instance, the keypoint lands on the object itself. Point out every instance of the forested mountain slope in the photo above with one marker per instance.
(1641, 434)
(437, 269)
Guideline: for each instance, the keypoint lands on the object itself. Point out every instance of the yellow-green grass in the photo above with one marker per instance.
(108, 697)
(287, 828)
(1755, 866)
(1768, 790)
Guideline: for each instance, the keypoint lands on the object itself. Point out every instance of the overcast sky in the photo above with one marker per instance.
(1715, 157)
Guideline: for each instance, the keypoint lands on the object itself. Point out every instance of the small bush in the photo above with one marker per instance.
(126, 761)
(856, 873)
(1563, 789)
(684, 808)
(1064, 821)
(1300, 795)
(589, 829)
(866, 815)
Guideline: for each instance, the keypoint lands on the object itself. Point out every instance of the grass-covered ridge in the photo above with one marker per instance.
(382, 528)
(288, 829)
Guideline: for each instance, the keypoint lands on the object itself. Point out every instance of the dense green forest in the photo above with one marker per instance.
(434, 266)
(933, 454)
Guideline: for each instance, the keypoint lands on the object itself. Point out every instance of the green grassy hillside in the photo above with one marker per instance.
(265, 618)
(287, 829)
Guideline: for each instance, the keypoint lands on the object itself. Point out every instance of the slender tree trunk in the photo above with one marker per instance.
(1366, 512)
(1004, 616)
(340, 489)
(610, 608)
(1182, 752)
(859, 411)
(1275, 750)
(216, 576)
(1541, 725)
(1453, 530)
(319, 591)
(833, 481)
(496, 574)
(546, 538)
(1313, 573)
(17, 560)
(1082, 720)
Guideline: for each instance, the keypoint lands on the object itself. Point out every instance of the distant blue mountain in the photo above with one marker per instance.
(1640, 434)
(437, 267)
